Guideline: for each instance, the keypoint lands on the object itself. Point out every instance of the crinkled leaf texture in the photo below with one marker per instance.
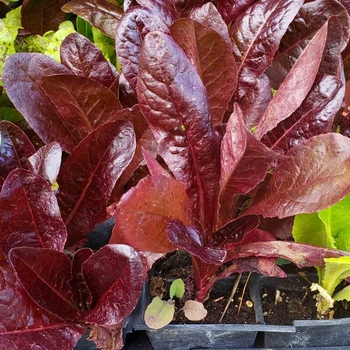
(164, 9)
(174, 101)
(15, 148)
(30, 215)
(296, 86)
(46, 161)
(101, 14)
(83, 58)
(335, 271)
(214, 61)
(142, 214)
(99, 160)
(45, 275)
(231, 9)
(114, 276)
(131, 30)
(25, 323)
(311, 178)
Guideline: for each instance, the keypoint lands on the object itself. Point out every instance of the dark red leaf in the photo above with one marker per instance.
(185, 7)
(153, 166)
(312, 177)
(30, 215)
(169, 85)
(4, 9)
(25, 323)
(22, 77)
(81, 293)
(87, 177)
(231, 9)
(83, 58)
(46, 161)
(315, 115)
(209, 16)
(82, 103)
(128, 4)
(15, 148)
(101, 14)
(213, 60)
(164, 9)
(45, 275)
(40, 16)
(191, 239)
(131, 30)
(127, 95)
(114, 275)
(279, 228)
(142, 213)
(296, 86)
(244, 163)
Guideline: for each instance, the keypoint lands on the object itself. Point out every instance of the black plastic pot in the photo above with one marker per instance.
(196, 336)
(302, 334)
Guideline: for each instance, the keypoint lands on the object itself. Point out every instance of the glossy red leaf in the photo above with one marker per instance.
(231, 9)
(40, 16)
(30, 215)
(25, 323)
(83, 58)
(174, 101)
(255, 42)
(191, 239)
(101, 14)
(131, 30)
(127, 95)
(82, 103)
(185, 7)
(114, 275)
(164, 9)
(81, 293)
(244, 163)
(15, 148)
(153, 166)
(45, 275)
(87, 177)
(213, 60)
(301, 183)
(296, 86)
(142, 213)
(22, 77)
(46, 161)
(314, 117)
(209, 16)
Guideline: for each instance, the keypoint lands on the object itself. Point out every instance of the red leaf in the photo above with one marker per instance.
(87, 177)
(46, 161)
(231, 9)
(82, 295)
(143, 211)
(296, 86)
(164, 9)
(114, 275)
(153, 166)
(169, 86)
(25, 323)
(40, 16)
(131, 30)
(244, 163)
(45, 275)
(101, 14)
(312, 177)
(22, 76)
(314, 116)
(15, 148)
(83, 58)
(191, 239)
(213, 60)
(185, 7)
(29, 213)
(110, 337)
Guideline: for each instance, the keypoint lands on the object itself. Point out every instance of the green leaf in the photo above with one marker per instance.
(343, 294)
(159, 313)
(10, 114)
(310, 229)
(177, 289)
(105, 44)
(32, 43)
(343, 240)
(13, 22)
(85, 28)
(7, 47)
(335, 271)
(336, 217)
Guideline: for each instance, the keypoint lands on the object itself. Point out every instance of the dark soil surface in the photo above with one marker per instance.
(283, 307)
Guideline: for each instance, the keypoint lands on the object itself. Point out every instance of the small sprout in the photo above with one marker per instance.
(278, 298)
(194, 310)
(177, 289)
(249, 303)
(273, 91)
(159, 313)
